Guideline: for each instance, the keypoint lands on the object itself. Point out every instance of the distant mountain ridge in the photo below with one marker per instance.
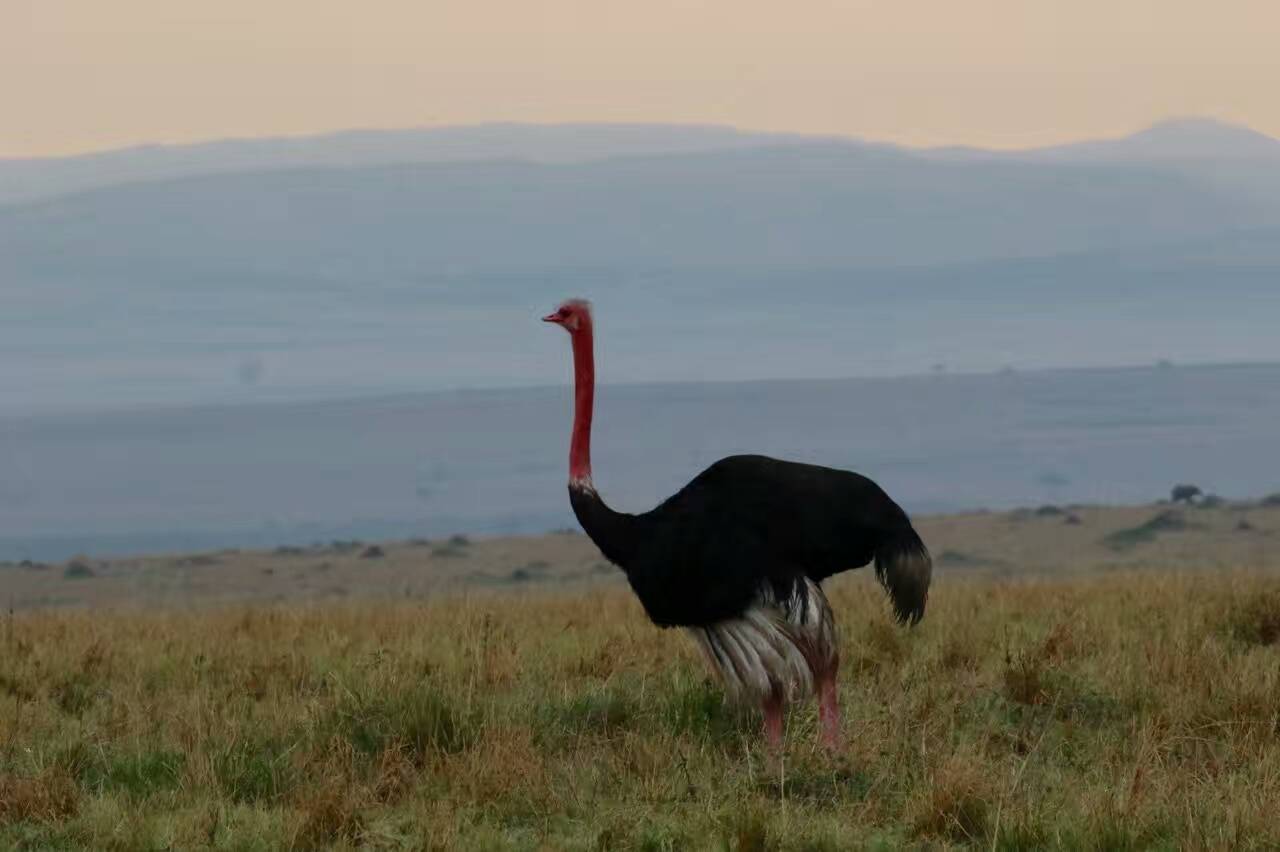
(1175, 139)
(33, 179)
(774, 207)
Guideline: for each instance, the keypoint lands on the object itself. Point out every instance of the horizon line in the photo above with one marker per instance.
(384, 394)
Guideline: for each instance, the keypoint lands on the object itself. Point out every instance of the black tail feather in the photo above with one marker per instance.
(904, 569)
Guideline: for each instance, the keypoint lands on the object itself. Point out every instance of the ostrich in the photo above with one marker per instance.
(738, 555)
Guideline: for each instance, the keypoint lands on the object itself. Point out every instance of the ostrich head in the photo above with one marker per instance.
(573, 315)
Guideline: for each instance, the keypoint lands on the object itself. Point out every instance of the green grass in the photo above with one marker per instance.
(253, 769)
(1133, 711)
(137, 773)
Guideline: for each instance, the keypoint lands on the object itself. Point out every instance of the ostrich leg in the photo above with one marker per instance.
(773, 722)
(772, 708)
(829, 708)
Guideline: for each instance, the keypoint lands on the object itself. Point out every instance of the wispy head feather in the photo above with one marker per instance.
(577, 305)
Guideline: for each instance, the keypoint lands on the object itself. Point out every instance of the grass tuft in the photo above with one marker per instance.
(700, 710)
(74, 694)
(958, 804)
(136, 774)
(254, 771)
(50, 796)
(419, 719)
(597, 712)
(331, 815)
(1256, 620)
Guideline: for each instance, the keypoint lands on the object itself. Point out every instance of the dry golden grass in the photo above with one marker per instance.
(1133, 710)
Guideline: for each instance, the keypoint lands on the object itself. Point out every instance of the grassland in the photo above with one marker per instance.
(1123, 707)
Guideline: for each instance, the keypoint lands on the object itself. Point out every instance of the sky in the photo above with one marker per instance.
(83, 75)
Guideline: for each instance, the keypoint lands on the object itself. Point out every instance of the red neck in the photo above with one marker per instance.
(584, 381)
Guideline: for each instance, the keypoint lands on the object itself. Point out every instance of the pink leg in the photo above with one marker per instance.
(773, 723)
(829, 710)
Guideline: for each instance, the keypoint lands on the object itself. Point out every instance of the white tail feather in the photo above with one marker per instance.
(777, 648)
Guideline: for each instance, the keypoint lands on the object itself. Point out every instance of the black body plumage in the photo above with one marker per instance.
(750, 522)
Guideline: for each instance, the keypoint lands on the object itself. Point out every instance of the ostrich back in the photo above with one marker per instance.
(704, 554)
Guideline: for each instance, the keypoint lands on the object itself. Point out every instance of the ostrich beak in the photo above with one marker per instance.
(551, 318)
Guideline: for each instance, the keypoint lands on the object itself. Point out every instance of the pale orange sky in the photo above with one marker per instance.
(79, 75)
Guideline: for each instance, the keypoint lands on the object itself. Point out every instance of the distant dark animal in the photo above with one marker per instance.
(738, 556)
(1184, 494)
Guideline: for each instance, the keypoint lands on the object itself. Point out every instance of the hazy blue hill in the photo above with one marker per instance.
(1231, 158)
(817, 206)
(1178, 139)
(30, 179)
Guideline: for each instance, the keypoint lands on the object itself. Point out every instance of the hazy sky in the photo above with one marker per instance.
(78, 75)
